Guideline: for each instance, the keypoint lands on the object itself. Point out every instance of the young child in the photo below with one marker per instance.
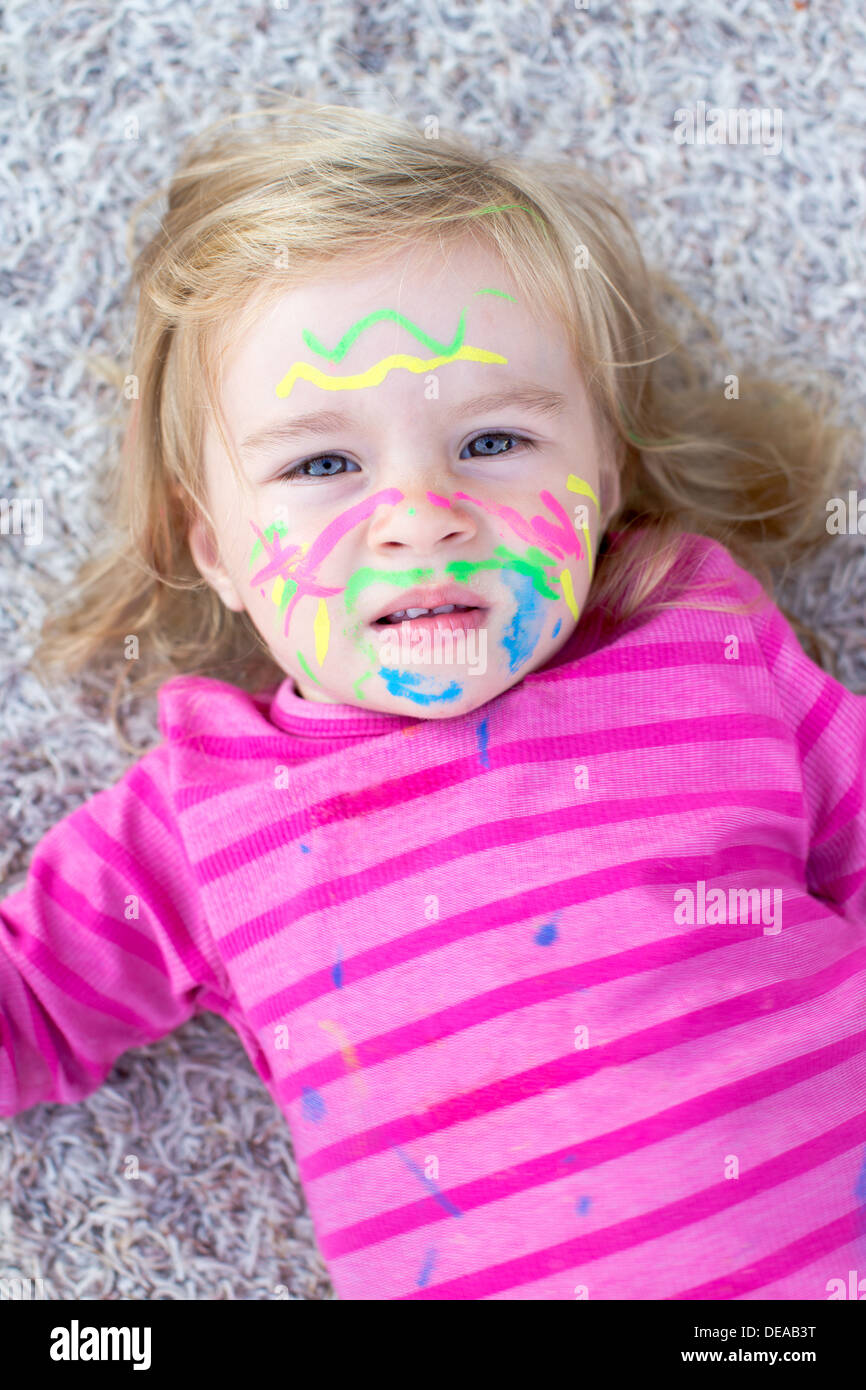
(497, 805)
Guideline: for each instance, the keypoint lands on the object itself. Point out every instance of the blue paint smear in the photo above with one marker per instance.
(556, 629)
(411, 686)
(305, 849)
(483, 733)
(582, 1206)
(312, 1105)
(337, 973)
(429, 1184)
(546, 934)
(570, 1158)
(424, 1275)
(522, 637)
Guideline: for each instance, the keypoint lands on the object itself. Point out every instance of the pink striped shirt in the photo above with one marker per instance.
(460, 953)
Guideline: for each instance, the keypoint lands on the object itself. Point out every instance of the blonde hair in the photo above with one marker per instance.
(250, 213)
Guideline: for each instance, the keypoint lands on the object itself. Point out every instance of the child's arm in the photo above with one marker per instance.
(829, 724)
(104, 948)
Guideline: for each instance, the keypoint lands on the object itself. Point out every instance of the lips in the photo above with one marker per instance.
(457, 594)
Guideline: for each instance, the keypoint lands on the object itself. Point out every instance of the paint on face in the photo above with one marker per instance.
(296, 565)
(321, 631)
(580, 486)
(283, 588)
(568, 593)
(532, 568)
(531, 565)
(522, 636)
(559, 540)
(291, 569)
(542, 528)
(422, 690)
(455, 351)
(543, 537)
(375, 375)
(368, 574)
(277, 529)
(300, 656)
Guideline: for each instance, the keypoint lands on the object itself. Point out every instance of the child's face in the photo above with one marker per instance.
(443, 442)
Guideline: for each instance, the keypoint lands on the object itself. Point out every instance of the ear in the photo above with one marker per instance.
(206, 556)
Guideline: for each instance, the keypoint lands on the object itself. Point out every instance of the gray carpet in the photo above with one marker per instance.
(771, 245)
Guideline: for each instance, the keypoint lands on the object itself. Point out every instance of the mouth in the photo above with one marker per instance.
(449, 607)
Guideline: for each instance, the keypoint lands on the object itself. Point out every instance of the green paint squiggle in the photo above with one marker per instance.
(367, 574)
(533, 565)
(352, 334)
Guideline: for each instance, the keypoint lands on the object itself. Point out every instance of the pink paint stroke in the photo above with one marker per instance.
(562, 540)
(280, 563)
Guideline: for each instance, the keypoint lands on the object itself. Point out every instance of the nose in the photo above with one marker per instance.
(424, 519)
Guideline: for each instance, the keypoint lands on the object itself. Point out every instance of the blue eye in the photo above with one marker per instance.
(326, 459)
(489, 443)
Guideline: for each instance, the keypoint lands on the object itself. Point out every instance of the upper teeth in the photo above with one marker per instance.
(419, 612)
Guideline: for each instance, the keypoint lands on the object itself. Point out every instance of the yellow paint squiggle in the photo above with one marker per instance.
(568, 594)
(377, 373)
(575, 484)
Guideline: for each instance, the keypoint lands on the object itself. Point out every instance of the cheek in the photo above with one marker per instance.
(567, 587)
(266, 580)
(524, 632)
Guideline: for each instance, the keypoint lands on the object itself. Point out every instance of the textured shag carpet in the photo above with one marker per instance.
(770, 245)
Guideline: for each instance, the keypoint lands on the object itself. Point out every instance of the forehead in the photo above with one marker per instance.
(418, 302)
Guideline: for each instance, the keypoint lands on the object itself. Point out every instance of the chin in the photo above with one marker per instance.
(473, 695)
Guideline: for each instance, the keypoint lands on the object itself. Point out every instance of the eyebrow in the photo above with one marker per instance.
(521, 396)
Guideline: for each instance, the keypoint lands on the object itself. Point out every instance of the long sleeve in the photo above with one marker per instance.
(829, 724)
(104, 947)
